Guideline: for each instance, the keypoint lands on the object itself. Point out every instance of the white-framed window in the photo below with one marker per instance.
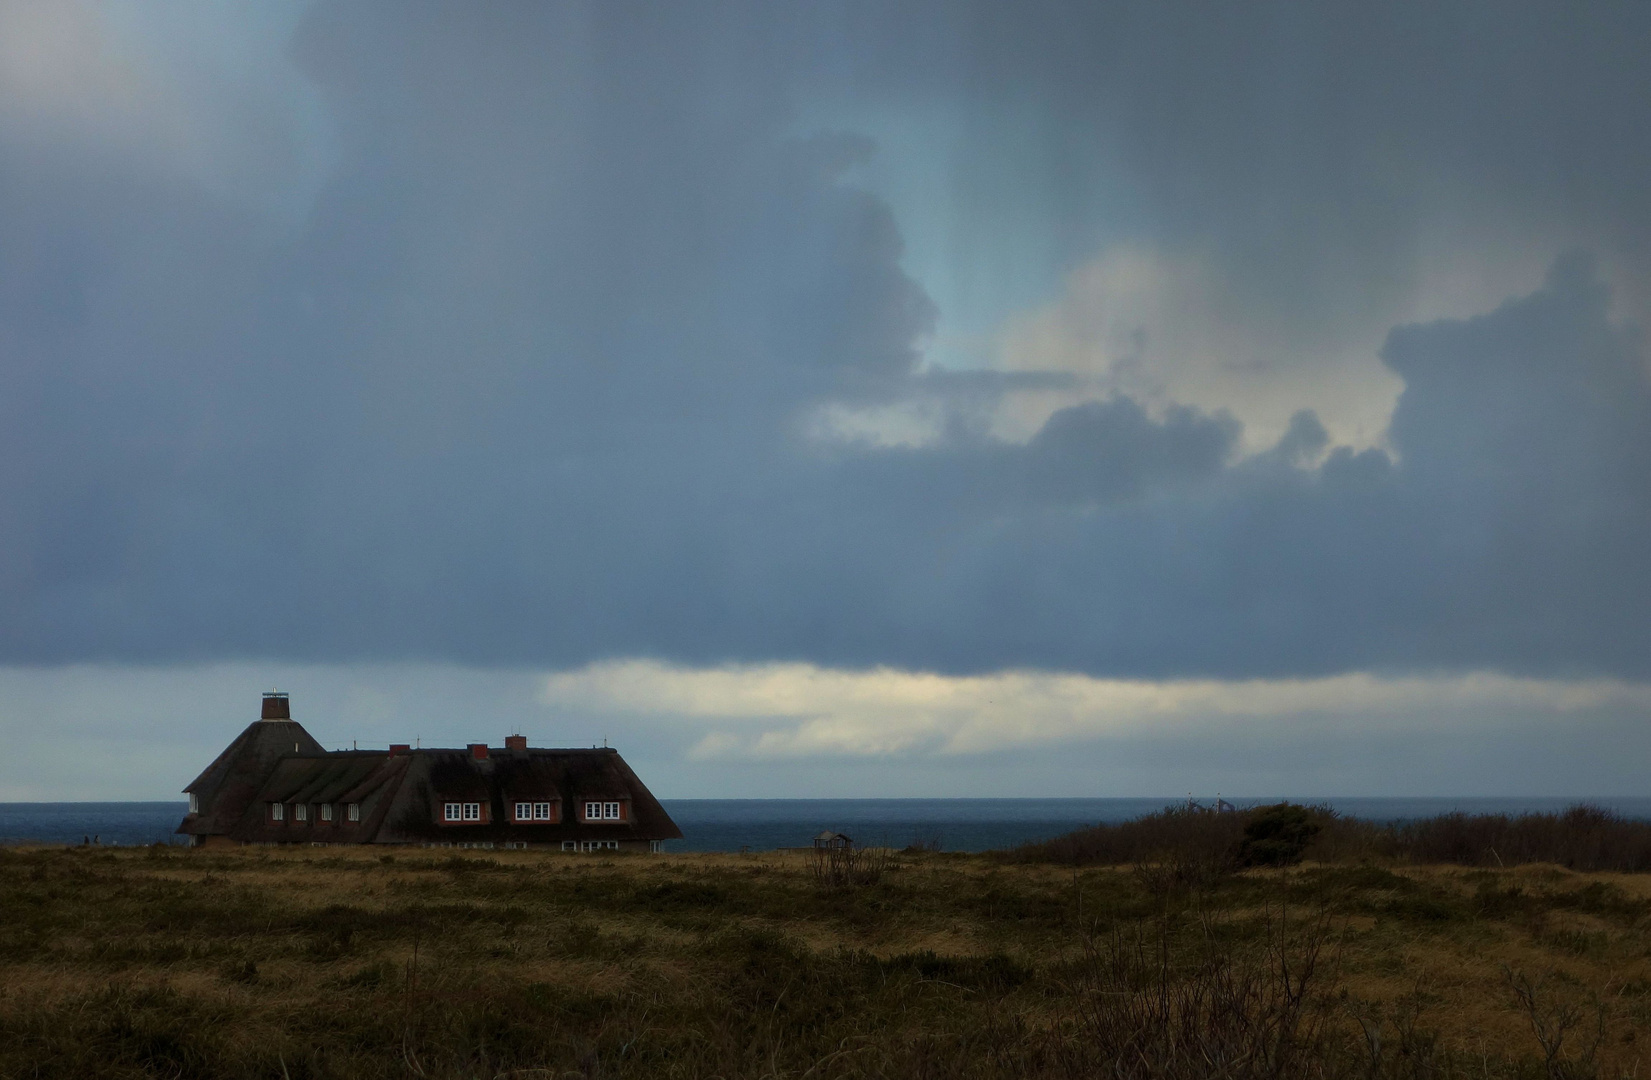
(532, 811)
(352, 811)
(472, 811)
(656, 846)
(194, 803)
(599, 845)
(601, 811)
(570, 845)
(277, 811)
(300, 811)
(326, 811)
(452, 811)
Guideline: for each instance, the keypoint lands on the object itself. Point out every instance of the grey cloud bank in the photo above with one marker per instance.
(142, 731)
(531, 383)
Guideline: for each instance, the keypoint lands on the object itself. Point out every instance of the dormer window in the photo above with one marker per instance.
(352, 811)
(457, 812)
(194, 803)
(277, 811)
(326, 811)
(300, 811)
(602, 811)
(533, 811)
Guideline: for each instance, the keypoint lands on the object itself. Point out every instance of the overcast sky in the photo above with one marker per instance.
(832, 399)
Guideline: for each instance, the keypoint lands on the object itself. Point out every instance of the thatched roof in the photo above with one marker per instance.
(398, 792)
(226, 786)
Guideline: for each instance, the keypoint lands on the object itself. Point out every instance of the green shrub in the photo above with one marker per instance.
(1277, 835)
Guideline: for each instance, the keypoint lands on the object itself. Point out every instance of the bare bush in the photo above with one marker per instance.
(848, 867)
(1556, 1019)
(1148, 1012)
(1174, 835)
(1586, 838)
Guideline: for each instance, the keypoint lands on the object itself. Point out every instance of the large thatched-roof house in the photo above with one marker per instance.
(276, 785)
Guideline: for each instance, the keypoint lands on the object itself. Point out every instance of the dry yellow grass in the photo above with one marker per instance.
(341, 962)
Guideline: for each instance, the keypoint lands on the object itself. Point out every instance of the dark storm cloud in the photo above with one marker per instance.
(1311, 150)
(1509, 532)
(533, 383)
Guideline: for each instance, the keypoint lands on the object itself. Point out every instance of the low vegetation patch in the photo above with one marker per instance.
(1182, 947)
(1199, 841)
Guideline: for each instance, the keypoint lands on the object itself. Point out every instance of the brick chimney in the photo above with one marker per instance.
(276, 706)
(515, 742)
(397, 749)
(478, 750)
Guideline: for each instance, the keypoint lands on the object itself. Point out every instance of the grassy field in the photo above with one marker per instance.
(342, 963)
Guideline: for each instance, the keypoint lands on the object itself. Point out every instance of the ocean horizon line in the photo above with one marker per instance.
(968, 798)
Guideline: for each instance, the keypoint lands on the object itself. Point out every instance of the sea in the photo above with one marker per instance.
(767, 824)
